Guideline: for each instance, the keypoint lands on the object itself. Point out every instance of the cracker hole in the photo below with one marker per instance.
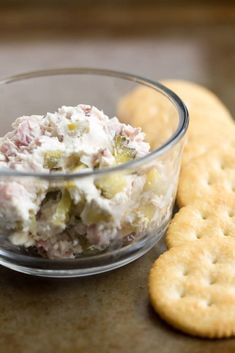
(209, 303)
(214, 261)
(226, 233)
(204, 217)
(185, 272)
(231, 213)
(211, 281)
(181, 292)
(199, 236)
(230, 186)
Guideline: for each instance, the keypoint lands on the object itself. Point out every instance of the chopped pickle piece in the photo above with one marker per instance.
(145, 213)
(72, 126)
(122, 152)
(52, 159)
(79, 167)
(74, 163)
(153, 182)
(62, 209)
(148, 211)
(110, 185)
(93, 214)
(70, 185)
(151, 178)
(19, 226)
(127, 229)
(33, 224)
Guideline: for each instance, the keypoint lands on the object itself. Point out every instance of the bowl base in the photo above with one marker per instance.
(139, 251)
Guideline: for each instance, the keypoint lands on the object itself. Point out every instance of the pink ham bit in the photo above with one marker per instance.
(129, 131)
(103, 155)
(97, 236)
(11, 190)
(93, 235)
(115, 126)
(86, 109)
(107, 153)
(27, 130)
(8, 190)
(60, 249)
(8, 148)
(4, 192)
(42, 244)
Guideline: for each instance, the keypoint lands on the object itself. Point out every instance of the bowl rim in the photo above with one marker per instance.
(168, 93)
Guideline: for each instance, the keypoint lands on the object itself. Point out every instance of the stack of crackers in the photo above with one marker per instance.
(192, 285)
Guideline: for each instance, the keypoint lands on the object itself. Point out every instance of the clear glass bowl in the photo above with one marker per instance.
(148, 209)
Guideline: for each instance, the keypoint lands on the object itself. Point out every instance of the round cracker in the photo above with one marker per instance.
(203, 219)
(199, 99)
(210, 176)
(200, 144)
(210, 121)
(146, 108)
(192, 287)
(209, 124)
(209, 118)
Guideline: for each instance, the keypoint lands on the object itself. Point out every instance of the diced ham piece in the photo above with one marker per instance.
(28, 128)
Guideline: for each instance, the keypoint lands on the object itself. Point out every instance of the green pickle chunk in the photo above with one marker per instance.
(52, 159)
(94, 215)
(74, 163)
(63, 209)
(33, 224)
(121, 151)
(154, 182)
(110, 185)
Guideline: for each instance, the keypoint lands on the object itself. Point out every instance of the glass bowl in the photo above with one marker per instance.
(144, 215)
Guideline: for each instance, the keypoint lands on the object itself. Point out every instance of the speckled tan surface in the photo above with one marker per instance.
(108, 313)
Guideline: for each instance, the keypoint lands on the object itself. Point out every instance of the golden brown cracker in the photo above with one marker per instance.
(199, 99)
(192, 287)
(202, 219)
(150, 110)
(209, 118)
(209, 176)
(202, 143)
(210, 121)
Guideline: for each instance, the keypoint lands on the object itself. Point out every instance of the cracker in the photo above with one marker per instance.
(210, 176)
(210, 121)
(209, 124)
(209, 118)
(192, 287)
(202, 143)
(200, 220)
(146, 108)
(199, 99)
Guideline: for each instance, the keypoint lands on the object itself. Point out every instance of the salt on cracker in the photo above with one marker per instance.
(209, 118)
(209, 176)
(200, 220)
(192, 287)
